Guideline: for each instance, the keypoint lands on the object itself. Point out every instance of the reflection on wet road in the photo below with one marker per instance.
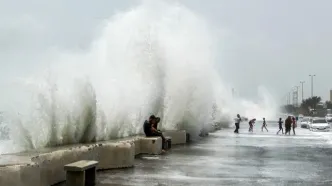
(225, 158)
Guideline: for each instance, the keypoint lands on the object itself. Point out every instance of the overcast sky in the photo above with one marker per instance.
(276, 44)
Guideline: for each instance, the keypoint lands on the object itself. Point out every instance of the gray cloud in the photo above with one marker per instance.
(271, 43)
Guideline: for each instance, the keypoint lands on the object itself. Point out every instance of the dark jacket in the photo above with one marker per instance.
(147, 128)
(288, 122)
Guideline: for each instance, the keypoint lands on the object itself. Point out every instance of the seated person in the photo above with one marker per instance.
(156, 124)
(148, 125)
(150, 130)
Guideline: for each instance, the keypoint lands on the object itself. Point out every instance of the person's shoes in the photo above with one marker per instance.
(163, 151)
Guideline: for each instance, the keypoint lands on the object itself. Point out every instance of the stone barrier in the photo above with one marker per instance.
(47, 168)
(116, 155)
(178, 137)
(151, 145)
(20, 175)
(51, 164)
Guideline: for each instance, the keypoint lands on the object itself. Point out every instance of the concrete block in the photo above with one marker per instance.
(75, 178)
(137, 142)
(178, 137)
(30, 175)
(116, 155)
(10, 175)
(151, 145)
(81, 173)
(81, 165)
(20, 175)
(51, 164)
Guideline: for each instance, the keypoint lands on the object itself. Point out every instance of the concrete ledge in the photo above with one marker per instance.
(45, 167)
(178, 137)
(10, 176)
(151, 145)
(109, 155)
(30, 174)
(116, 155)
(136, 140)
(51, 164)
(20, 175)
(137, 146)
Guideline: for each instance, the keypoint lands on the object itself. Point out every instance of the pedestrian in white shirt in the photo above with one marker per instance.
(237, 123)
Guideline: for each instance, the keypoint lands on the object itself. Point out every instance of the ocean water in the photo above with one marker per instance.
(156, 58)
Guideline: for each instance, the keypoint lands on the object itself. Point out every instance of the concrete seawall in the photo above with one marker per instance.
(46, 168)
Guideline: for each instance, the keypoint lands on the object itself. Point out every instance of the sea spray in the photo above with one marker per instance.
(266, 107)
(158, 58)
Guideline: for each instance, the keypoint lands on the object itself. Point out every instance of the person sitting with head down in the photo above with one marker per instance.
(150, 129)
(156, 124)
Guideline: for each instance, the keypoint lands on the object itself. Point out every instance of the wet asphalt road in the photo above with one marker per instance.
(225, 158)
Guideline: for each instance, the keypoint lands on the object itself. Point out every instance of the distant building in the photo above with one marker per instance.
(331, 95)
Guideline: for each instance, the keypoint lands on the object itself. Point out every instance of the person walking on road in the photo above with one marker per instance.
(280, 126)
(237, 123)
(264, 125)
(251, 125)
(294, 125)
(288, 125)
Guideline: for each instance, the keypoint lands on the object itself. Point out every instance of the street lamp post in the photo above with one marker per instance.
(312, 84)
(302, 82)
(297, 95)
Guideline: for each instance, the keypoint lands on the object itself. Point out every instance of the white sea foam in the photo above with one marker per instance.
(158, 58)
